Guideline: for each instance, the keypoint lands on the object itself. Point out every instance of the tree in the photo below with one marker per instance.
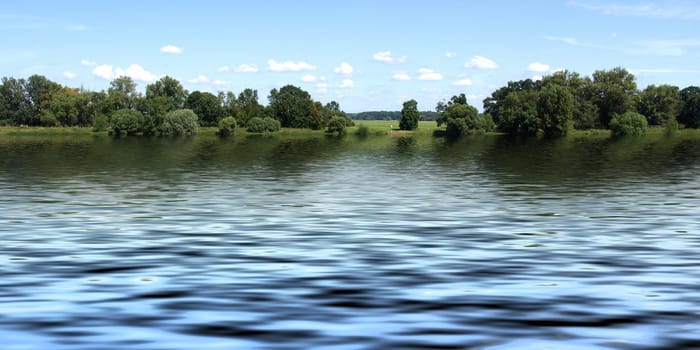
(555, 108)
(228, 103)
(336, 126)
(206, 106)
(227, 126)
(494, 103)
(459, 117)
(40, 92)
(518, 113)
(409, 115)
(122, 94)
(689, 111)
(659, 104)
(248, 106)
(15, 107)
(585, 111)
(614, 93)
(294, 108)
(169, 88)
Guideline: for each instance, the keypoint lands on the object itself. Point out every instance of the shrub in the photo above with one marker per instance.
(272, 124)
(100, 123)
(227, 126)
(48, 119)
(126, 122)
(256, 125)
(628, 123)
(336, 125)
(362, 131)
(179, 122)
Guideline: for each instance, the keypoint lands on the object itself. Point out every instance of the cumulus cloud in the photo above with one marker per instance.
(346, 83)
(429, 74)
(481, 62)
(309, 78)
(344, 69)
(200, 79)
(247, 68)
(134, 71)
(450, 54)
(288, 66)
(401, 76)
(88, 63)
(387, 57)
(463, 82)
(223, 69)
(69, 75)
(171, 49)
(536, 77)
(538, 67)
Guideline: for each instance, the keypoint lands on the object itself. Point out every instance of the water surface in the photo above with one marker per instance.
(387, 243)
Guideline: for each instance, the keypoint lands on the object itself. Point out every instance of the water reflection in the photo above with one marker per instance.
(394, 243)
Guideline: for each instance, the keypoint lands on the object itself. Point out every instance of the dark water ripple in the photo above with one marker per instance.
(402, 247)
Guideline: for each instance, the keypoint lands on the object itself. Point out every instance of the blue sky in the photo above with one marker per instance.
(367, 55)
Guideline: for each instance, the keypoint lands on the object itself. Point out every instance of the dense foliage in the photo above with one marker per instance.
(227, 126)
(179, 122)
(390, 115)
(262, 125)
(460, 118)
(409, 115)
(628, 123)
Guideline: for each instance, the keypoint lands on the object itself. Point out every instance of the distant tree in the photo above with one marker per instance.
(294, 108)
(555, 108)
(40, 92)
(126, 122)
(206, 106)
(248, 106)
(659, 104)
(614, 93)
(459, 117)
(518, 113)
(628, 123)
(122, 94)
(689, 111)
(585, 111)
(229, 103)
(169, 88)
(409, 115)
(336, 126)
(15, 107)
(494, 103)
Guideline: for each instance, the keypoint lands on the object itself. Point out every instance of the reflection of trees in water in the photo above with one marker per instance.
(406, 145)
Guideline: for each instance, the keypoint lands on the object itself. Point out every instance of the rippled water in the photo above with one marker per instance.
(388, 243)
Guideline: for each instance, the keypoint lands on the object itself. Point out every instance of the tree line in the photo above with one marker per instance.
(165, 108)
(565, 100)
(390, 115)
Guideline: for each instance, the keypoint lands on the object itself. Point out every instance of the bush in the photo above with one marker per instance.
(126, 122)
(227, 126)
(179, 122)
(362, 131)
(48, 119)
(336, 125)
(272, 124)
(256, 125)
(100, 123)
(628, 123)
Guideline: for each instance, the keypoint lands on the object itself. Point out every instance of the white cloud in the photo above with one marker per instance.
(538, 67)
(322, 88)
(288, 66)
(429, 74)
(134, 71)
(88, 63)
(463, 82)
(69, 75)
(346, 83)
(344, 69)
(171, 49)
(200, 79)
(450, 54)
(401, 76)
(309, 78)
(247, 68)
(481, 62)
(223, 69)
(388, 57)
(665, 11)
(536, 77)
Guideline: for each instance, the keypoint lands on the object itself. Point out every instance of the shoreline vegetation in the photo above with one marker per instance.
(608, 103)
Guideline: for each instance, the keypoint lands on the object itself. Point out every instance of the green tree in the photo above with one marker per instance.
(628, 123)
(206, 106)
(614, 93)
(585, 111)
(518, 113)
(15, 107)
(659, 104)
(494, 103)
(122, 94)
(459, 117)
(555, 108)
(689, 111)
(169, 88)
(336, 126)
(229, 103)
(180, 122)
(409, 115)
(294, 108)
(248, 106)
(126, 122)
(40, 92)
